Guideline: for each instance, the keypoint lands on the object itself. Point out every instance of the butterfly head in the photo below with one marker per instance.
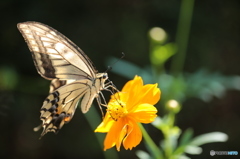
(102, 76)
(105, 76)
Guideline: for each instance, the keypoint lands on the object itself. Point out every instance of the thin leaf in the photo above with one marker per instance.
(142, 154)
(186, 137)
(209, 138)
(193, 150)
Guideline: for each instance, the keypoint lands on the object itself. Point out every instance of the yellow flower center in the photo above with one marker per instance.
(117, 110)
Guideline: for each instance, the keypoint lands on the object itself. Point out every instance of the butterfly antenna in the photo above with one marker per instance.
(110, 67)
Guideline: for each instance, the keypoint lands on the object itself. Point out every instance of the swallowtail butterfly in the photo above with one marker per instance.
(71, 72)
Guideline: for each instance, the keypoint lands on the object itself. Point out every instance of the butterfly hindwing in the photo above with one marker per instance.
(59, 107)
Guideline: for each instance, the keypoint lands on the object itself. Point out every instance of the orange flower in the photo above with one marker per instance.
(125, 109)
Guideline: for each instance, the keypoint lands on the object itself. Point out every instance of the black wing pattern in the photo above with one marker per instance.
(59, 107)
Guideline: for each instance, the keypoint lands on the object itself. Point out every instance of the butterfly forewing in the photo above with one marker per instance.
(71, 71)
(54, 55)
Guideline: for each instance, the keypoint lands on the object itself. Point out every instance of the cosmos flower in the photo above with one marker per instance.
(127, 108)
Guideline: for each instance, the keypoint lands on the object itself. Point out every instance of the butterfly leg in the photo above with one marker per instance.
(111, 85)
(113, 91)
(100, 103)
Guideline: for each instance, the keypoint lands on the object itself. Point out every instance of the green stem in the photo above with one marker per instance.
(152, 146)
(167, 135)
(94, 119)
(182, 35)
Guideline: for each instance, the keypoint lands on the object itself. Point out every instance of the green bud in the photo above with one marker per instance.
(173, 106)
(158, 34)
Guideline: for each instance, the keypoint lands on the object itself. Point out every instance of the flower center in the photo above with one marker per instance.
(117, 110)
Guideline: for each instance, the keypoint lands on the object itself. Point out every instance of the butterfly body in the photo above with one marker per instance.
(71, 72)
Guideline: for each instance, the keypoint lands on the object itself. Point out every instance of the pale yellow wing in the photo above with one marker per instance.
(54, 55)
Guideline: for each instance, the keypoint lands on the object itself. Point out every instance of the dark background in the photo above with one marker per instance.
(103, 29)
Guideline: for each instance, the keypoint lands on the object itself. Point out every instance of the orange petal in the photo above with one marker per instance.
(122, 134)
(135, 93)
(130, 85)
(133, 87)
(139, 93)
(115, 135)
(150, 94)
(145, 113)
(106, 124)
(134, 135)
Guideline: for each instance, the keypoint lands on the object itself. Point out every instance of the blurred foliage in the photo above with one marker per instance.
(204, 82)
(201, 84)
(8, 78)
(176, 87)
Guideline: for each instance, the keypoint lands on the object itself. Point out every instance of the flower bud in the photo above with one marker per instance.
(173, 106)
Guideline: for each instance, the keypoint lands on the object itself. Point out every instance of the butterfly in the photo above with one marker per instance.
(72, 74)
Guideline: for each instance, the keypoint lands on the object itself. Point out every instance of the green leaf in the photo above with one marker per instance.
(162, 53)
(209, 138)
(184, 141)
(183, 157)
(193, 150)
(142, 154)
(121, 66)
(186, 137)
(180, 150)
(158, 122)
(205, 84)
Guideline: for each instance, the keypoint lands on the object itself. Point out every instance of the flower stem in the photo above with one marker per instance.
(182, 36)
(152, 146)
(167, 135)
(94, 119)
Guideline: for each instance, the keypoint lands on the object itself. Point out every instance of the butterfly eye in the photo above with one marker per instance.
(105, 76)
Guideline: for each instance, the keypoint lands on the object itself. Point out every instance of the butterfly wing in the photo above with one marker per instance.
(54, 55)
(71, 71)
(59, 107)
(57, 83)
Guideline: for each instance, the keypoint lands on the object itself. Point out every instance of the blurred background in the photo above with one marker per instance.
(103, 30)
